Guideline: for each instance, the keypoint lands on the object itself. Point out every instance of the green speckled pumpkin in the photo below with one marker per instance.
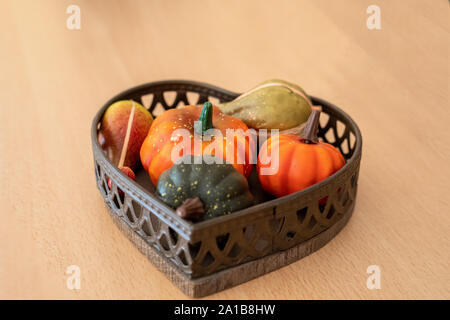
(220, 187)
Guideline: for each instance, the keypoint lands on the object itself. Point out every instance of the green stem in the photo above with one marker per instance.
(205, 118)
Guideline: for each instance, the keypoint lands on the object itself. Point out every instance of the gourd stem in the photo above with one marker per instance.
(205, 119)
(309, 134)
(191, 209)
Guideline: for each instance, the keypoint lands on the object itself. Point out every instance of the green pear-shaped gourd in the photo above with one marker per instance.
(273, 104)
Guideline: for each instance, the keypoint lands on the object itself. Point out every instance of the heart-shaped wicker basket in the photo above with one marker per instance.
(215, 254)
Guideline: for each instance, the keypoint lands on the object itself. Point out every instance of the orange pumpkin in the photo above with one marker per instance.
(156, 150)
(302, 161)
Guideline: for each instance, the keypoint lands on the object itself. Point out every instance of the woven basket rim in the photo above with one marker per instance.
(186, 228)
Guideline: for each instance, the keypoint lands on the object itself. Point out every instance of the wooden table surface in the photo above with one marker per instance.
(393, 81)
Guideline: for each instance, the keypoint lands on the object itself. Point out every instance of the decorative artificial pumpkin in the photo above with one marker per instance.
(273, 104)
(163, 136)
(219, 187)
(302, 161)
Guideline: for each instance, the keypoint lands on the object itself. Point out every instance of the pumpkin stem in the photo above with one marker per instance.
(205, 119)
(309, 134)
(191, 209)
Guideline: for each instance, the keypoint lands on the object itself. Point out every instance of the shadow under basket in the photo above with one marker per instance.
(209, 256)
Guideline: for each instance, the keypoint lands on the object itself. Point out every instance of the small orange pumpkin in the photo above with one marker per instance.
(156, 150)
(302, 161)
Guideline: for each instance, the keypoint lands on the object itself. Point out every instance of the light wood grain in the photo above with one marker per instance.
(393, 81)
